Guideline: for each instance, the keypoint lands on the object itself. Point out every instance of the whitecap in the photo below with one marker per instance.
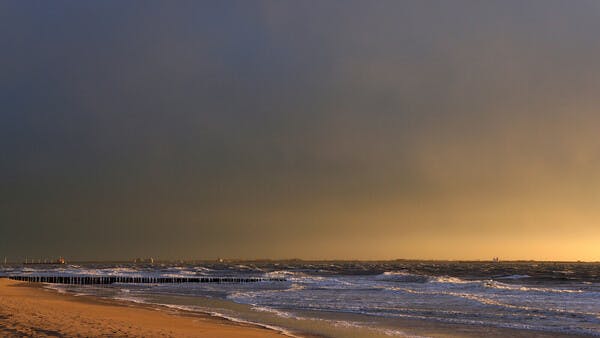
(402, 276)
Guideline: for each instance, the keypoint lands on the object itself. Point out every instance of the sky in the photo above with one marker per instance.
(300, 129)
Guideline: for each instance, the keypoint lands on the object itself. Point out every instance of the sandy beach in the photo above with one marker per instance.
(27, 310)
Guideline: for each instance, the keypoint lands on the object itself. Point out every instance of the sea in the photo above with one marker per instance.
(364, 299)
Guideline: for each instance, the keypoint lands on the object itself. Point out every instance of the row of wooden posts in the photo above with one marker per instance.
(151, 280)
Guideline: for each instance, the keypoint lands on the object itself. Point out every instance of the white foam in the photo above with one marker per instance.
(499, 285)
(229, 317)
(276, 312)
(402, 276)
(452, 280)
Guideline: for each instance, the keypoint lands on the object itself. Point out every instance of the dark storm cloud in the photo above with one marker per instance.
(250, 128)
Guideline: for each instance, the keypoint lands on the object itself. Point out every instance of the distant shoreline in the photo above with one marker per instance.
(229, 261)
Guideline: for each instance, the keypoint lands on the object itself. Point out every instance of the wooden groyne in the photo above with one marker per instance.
(86, 280)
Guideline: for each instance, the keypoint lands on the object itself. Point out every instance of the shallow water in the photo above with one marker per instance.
(348, 299)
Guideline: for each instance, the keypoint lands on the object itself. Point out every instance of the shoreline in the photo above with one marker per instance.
(27, 310)
(30, 309)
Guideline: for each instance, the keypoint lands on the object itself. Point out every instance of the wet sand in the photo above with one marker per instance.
(27, 310)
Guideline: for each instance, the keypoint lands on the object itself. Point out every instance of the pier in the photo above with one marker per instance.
(89, 280)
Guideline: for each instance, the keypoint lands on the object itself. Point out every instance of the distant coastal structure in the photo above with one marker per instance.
(495, 260)
(60, 260)
(148, 260)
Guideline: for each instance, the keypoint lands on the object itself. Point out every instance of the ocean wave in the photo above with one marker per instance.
(130, 299)
(355, 325)
(172, 272)
(452, 280)
(337, 323)
(248, 296)
(55, 287)
(513, 277)
(283, 274)
(276, 312)
(515, 287)
(490, 300)
(303, 278)
(234, 319)
(402, 276)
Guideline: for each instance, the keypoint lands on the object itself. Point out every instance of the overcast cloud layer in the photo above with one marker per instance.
(337, 129)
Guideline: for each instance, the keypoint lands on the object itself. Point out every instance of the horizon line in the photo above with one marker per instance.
(146, 260)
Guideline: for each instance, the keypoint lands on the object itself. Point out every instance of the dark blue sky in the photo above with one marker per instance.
(338, 129)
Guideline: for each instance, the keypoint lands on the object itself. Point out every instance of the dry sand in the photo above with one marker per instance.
(26, 310)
